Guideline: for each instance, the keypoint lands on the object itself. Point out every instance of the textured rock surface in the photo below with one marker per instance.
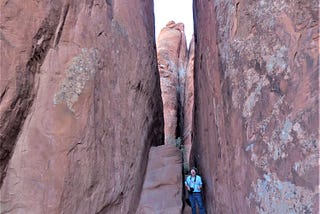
(19, 65)
(188, 106)
(172, 60)
(256, 98)
(80, 105)
(162, 188)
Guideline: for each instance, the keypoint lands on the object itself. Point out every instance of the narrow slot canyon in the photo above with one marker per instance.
(99, 114)
(168, 164)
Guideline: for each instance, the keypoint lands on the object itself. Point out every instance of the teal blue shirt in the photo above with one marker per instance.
(195, 183)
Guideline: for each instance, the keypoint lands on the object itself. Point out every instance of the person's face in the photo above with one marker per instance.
(193, 172)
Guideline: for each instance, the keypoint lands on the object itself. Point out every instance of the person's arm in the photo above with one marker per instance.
(200, 183)
(186, 184)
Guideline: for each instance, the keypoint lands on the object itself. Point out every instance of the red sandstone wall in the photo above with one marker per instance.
(257, 105)
(188, 106)
(80, 105)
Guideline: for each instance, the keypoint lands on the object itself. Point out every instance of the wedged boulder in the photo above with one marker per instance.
(257, 105)
(162, 187)
(80, 105)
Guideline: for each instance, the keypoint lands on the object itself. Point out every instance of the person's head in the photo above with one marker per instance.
(193, 171)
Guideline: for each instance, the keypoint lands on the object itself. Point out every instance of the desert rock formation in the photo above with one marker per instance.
(188, 106)
(80, 105)
(172, 61)
(257, 105)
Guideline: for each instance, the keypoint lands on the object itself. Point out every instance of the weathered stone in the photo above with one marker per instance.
(162, 188)
(188, 106)
(257, 105)
(80, 106)
(19, 63)
(172, 59)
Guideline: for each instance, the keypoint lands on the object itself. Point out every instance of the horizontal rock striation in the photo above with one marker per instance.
(257, 105)
(80, 105)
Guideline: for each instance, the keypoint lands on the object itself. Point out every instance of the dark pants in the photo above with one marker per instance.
(196, 198)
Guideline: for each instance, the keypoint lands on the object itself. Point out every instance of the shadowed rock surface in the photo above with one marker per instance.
(257, 105)
(188, 106)
(80, 105)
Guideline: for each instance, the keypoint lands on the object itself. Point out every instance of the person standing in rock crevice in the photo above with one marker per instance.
(194, 185)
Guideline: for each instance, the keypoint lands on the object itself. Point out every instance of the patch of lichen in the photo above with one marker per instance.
(82, 68)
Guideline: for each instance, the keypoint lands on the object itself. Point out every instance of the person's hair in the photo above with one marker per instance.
(195, 169)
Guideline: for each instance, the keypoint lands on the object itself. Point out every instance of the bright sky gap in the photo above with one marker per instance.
(175, 10)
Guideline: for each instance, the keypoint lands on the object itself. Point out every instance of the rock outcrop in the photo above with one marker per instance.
(162, 188)
(257, 105)
(80, 105)
(172, 61)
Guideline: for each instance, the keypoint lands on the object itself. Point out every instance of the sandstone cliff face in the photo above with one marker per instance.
(172, 60)
(80, 105)
(188, 106)
(256, 97)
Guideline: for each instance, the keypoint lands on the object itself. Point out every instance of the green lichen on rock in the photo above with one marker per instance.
(303, 166)
(309, 144)
(82, 68)
(281, 140)
(277, 63)
(274, 196)
(277, 145)
(253, 98)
